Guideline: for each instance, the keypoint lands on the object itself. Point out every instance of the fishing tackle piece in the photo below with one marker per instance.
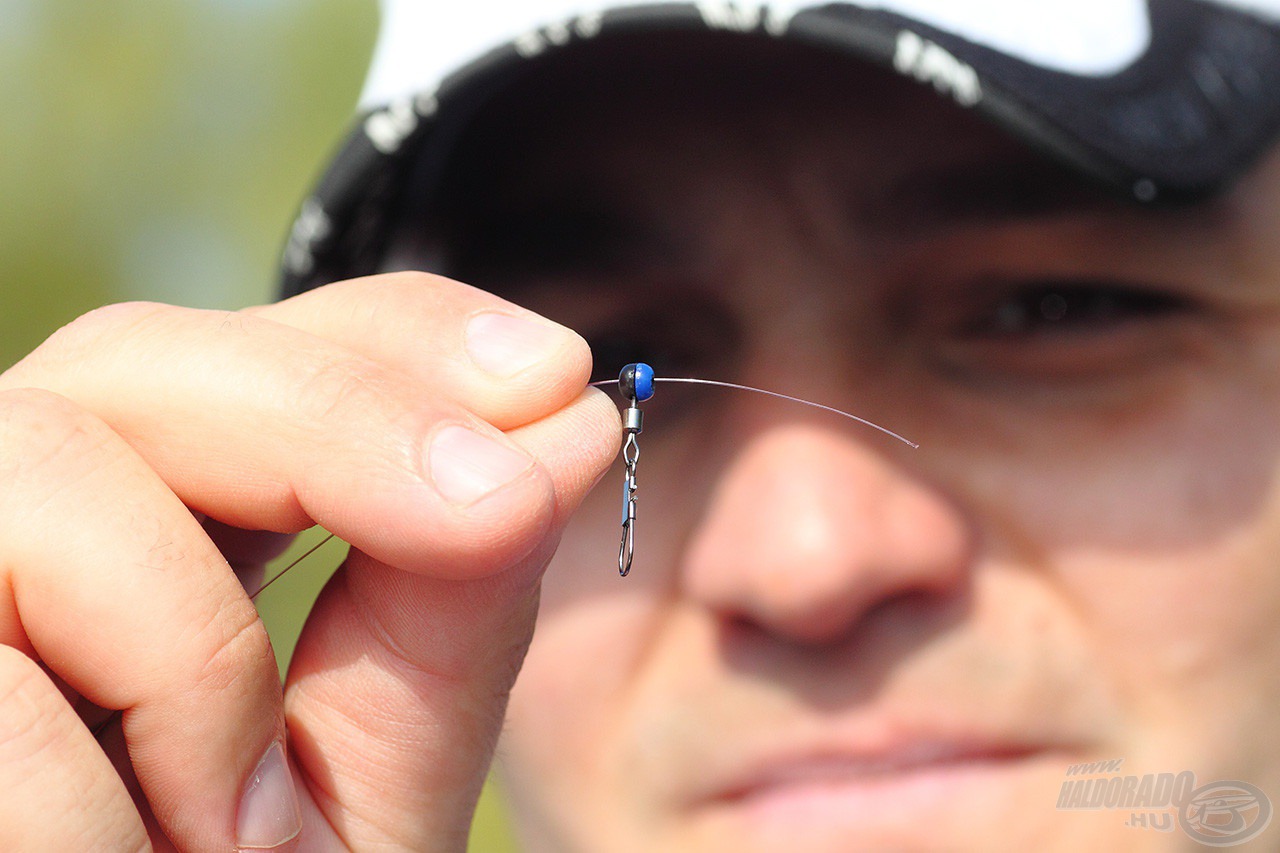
(635, 382)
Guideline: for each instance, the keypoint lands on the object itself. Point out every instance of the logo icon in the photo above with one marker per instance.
(1225, 813)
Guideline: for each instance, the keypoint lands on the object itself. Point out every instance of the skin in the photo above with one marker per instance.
(129, 427)
(829, 641)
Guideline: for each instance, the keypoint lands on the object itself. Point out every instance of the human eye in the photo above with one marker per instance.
(1061, 331)
(1070, 308)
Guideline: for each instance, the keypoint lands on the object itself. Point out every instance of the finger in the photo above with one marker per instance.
(506, 364)
(124, 597)
(576, 447)
(365, 713)
(401, 676)
(268, 427)
(60, 791)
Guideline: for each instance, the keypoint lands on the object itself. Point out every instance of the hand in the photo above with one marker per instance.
(443, 432)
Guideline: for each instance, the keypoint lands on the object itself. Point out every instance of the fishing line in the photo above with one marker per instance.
(691, 381)
(635, 383)
(281, 573)
(111, 717)
(643, 374)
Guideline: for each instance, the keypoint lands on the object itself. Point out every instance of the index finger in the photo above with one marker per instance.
(506, 364)
(263, 426)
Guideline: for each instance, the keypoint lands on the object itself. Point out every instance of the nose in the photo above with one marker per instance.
(807, 530)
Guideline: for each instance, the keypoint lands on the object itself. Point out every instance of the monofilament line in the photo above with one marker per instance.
(685, 380)
(114, 715)
(736, 386)
(285, 570)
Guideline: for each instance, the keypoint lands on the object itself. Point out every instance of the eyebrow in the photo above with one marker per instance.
(559, 238)
(992, 190)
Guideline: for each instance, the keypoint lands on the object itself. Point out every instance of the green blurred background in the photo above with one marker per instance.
(156, 150)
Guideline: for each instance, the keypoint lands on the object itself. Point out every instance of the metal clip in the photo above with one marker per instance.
(636, 384)
(630, 455)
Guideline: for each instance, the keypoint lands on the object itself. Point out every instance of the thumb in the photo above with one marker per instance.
(398, 688)
(396, 698)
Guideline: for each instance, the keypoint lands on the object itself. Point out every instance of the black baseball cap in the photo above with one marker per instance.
(1163, 101)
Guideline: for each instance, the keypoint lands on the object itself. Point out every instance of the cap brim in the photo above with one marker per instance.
(1185, 117)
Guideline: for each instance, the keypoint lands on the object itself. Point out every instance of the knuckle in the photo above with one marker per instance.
(28, 709)
(45, 435)
(422, 294)
(39, 749)
(79, 340)
(239, 652)
(385, 301)
(119, 316)
(102, 839)
(414, 284)
(335, 389)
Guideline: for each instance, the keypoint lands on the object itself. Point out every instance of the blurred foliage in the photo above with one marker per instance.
(157, 150)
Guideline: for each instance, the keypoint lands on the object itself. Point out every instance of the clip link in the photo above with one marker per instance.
(633, 423)
(636, 384)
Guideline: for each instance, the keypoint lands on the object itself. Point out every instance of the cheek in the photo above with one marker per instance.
(1161, 535)
(1196, 623)
(549, 735)
(1172, 476)
(1188, 642)
(591, 628)
(595, 634)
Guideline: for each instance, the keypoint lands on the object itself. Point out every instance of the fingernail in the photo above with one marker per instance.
(269, 815)
(466, 466)
(505, 345)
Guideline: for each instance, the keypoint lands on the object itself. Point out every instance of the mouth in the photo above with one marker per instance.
(918, 788)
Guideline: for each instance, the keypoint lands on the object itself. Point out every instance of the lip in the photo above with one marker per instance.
(829, 769)
(911, 787)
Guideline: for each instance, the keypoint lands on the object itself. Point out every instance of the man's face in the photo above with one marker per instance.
(830, 641)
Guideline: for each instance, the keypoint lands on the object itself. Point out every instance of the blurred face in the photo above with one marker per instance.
(830, 641)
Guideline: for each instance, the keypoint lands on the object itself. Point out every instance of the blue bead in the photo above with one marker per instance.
(644, 381)
(636, 380)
